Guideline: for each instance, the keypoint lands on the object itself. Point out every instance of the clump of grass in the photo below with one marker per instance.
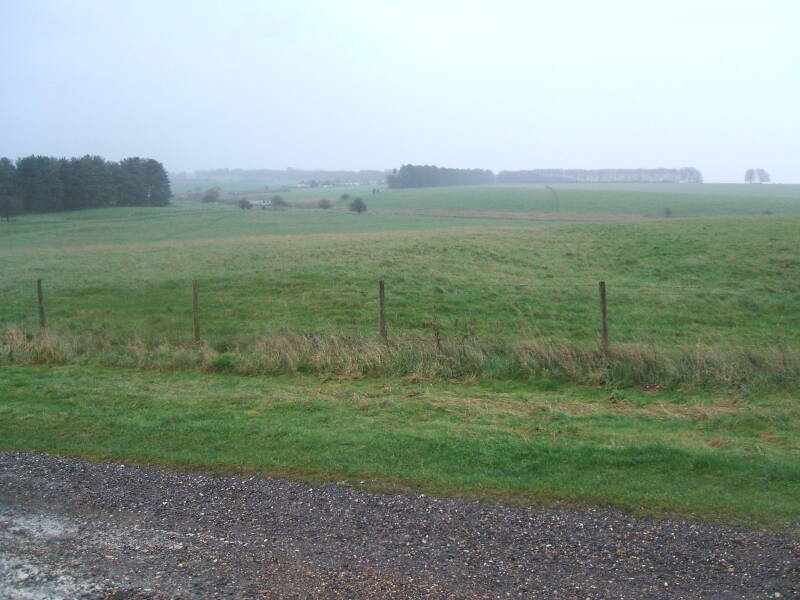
(35, 348)
(435, 358)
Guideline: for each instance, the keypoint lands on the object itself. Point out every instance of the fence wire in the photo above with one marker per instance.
(557, 307)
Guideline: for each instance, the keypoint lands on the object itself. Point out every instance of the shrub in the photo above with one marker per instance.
(324, 203)
(279, 202)
(667, 212)
(211, 195)
(244, 204)
(358, 206)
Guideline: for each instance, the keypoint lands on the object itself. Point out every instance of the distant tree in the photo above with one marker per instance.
(667, 212)
(244, 204)
(428, 176)
(763, 176)
(324, 203)
(7, 172)
(9, 207)
(279, 202)
(750, 176)
(211, 195)
(129, 175)
(88, 182)
(358, 206)
(37, 182)
(344, 197)
(157, 182)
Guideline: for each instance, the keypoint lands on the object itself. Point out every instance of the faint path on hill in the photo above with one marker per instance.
(73, 529)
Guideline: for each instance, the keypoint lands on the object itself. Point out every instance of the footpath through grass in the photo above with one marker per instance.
(705, 456)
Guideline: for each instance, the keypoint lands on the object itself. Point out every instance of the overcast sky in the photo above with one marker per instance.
(713, 84)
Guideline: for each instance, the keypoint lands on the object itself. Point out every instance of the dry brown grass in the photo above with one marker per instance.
(288, 352)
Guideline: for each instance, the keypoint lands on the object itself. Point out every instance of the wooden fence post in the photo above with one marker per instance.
(40, 296)
(381, 313)
(195, 312)
(603, 318)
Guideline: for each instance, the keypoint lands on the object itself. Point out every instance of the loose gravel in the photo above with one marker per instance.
(75, 529)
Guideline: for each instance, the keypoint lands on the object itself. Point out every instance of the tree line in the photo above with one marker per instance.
(409, 176)
(286, 176)
(46, 184)
(684, 175)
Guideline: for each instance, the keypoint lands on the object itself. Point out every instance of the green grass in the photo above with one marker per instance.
(193, 222)
(641, 200)
(671, 283)
(705, 456)
(704, 314)
(585, 201)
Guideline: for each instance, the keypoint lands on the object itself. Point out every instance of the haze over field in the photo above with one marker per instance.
(366, 85)
(269, 258)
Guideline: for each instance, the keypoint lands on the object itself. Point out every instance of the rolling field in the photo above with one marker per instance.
(584, 202)
(670, 282)
(595, 200)
(491, 384)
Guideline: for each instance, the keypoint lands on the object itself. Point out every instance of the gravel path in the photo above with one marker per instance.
(73, 529)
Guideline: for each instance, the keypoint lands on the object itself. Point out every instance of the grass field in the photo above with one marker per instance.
(492, 383)
(703, 456)
(670, 282)
(584, 201)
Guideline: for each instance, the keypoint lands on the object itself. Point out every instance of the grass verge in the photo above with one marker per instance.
(741, 370)
(694, 455)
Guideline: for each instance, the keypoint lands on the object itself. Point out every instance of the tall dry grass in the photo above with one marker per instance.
(292, 352)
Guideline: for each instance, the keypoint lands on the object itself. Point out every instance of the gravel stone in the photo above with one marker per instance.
(76, 529)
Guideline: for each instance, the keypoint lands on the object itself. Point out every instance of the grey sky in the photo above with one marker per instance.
(369, 84)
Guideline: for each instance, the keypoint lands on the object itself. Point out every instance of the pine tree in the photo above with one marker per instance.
(7, 173)
(157, 181)
(38, 184)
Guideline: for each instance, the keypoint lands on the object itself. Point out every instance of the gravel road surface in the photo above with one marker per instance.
(71, 529)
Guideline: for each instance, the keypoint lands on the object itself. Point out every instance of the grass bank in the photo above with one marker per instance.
(698, 455)
(742, 371)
